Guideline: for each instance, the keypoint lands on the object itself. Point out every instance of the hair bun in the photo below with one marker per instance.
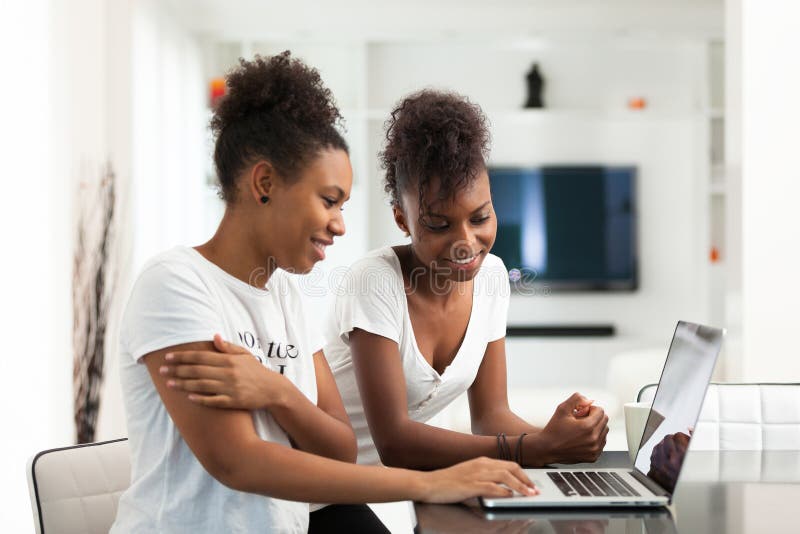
(278, 86)
(434, 133)
(276, 109)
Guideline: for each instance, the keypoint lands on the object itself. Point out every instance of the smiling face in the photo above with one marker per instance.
(450, 237)
(303, 216)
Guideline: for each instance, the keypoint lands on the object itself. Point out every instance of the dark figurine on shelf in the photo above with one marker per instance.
(535, 84)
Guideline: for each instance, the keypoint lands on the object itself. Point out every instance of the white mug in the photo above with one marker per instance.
(636, 414)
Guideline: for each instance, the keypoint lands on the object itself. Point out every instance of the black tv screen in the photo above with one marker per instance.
(567, 227)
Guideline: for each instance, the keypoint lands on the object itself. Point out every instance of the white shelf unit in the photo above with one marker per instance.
(587, 87)
(717, 253)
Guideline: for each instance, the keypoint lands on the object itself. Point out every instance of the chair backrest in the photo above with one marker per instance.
(76, 489)
(745, 417)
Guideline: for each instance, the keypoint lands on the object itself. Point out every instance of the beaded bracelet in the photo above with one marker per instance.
(503, 450)
(519, 447)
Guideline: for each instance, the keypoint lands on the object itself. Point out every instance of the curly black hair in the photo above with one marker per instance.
(275, 108)
(434, 134)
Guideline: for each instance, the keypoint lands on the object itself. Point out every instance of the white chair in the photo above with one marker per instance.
(745, 417)
(76, 489)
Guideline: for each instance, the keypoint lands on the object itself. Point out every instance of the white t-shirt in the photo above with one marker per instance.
(372, 297)
(181, 297)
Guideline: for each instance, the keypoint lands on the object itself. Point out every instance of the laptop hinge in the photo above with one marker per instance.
(650, 484)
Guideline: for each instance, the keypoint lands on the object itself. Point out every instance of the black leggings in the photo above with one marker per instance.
(338, 518)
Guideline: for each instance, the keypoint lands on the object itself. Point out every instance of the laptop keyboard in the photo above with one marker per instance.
(591, 484)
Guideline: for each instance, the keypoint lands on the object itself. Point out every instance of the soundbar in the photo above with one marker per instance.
(594, 330)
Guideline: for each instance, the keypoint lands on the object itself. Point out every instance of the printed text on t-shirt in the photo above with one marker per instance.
(270, 349)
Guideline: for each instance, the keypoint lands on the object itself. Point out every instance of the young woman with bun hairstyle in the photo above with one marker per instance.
(422, 323)
(222, 325)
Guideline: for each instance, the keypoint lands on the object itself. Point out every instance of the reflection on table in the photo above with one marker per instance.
(466, 519)
(719, 491)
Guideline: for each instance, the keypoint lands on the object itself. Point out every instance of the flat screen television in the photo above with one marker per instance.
(567, 227)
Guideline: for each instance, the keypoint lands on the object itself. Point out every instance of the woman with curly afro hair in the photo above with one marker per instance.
(417, 325)
(222, 325)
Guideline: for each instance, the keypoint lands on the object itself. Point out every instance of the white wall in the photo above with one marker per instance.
(53, 128)
(770, 189)
(732, 256)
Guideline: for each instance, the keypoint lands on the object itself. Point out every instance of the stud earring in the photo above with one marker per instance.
(264, 199)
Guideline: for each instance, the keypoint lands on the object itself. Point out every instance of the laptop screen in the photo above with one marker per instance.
(677, 403)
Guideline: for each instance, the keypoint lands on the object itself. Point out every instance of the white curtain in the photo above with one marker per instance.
(168, 200)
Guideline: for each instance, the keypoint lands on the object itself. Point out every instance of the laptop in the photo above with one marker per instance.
(673, 415)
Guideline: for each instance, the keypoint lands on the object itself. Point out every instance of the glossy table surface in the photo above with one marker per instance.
(726, 491)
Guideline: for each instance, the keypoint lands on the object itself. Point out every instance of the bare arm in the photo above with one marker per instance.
(230, 377)
(323, 429)
(488, 397)
(575, 433)
(402, 442)
(235, 455)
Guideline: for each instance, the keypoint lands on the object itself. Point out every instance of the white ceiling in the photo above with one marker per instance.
(387, 20)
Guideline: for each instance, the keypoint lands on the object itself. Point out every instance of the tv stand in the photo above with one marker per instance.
(561, 330)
